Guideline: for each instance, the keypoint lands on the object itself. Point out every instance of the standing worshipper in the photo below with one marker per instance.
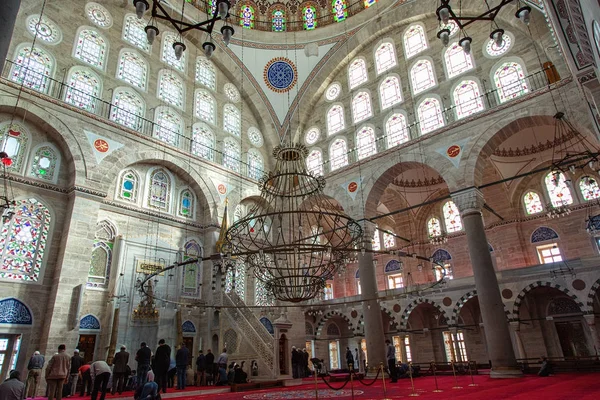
(120, 373)
(210, 365)
(363, 360)
(295, 362)
(57, 372)
(391, 359)
(305, 370)
(162, 361)
(143, 357)
(222, 360)
(356, 360)
(12, 388)
(182, 358)
(36, 363)
(200, 369)
(100, 373)
(76, 363)
(349, 359)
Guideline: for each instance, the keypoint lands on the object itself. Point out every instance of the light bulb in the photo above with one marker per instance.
(141, 6)
(151, 33)
(227, 32)
(465, 43)
(444, 36)
(222, 9)
(444, 14)
(524, 14)
(179, 48)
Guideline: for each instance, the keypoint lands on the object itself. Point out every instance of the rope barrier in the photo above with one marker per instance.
(355, 376)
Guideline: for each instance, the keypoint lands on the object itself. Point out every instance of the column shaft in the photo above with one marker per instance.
(8, 16)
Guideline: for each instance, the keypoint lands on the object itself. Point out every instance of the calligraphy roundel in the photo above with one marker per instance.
(101, 145)
(280, 74)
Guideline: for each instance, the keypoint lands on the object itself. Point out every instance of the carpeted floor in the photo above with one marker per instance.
(563, 386)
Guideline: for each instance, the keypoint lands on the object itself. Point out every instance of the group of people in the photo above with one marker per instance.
(300, 363)
(357, 360)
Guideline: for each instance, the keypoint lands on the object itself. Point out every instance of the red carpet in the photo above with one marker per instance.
(562, 386)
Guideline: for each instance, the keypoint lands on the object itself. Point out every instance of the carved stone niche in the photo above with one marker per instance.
(562, 306)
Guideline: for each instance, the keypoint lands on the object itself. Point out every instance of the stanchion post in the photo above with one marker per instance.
(351, 367)
(437, 389)
(412, 382)
(455, 380)
(316, 385)
(471, 373)
(383, 379)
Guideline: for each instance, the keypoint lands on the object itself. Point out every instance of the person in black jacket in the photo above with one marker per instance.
(182, 359)
(120, 373)
(76, 363)
(296, 363)
(143, 356)
(349, 359)
(200, 369)
(162, 360)
(210, 365)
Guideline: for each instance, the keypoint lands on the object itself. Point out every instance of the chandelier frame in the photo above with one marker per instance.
(159, 12)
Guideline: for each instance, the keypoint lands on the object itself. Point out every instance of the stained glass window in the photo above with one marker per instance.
(99, 272)
(191, 273)
(335, 119)
(213, 6)
(168, 53)
(333, 91)
(134, 33)
(509, 79)
(422, 76)
(338, 154)
(369, 3)
(467, 99)
(389, 240)
(247, 16)
(170, 88)
(205, 106)
(98, 15)
(457, 61)
(312, 135)
(83, 89)
(255, 164)
(390, 92)
(262, 297)
(451, 26)
(186, 204)
(558, 189)
(314, 162)
(132, 69)
(396, 130)
(14, 143)
(430, 115)
(45, 163)
(32, 68)
(533, 204)
(376, 241)
(589, 188)
(128, 109)
(44, 29)
(205, 73)
(357, 73)
(434, 227)
(496, 51)
(451, 217)
(365, 143)
(278, 19)
(235, 280)
(232, 120)
(309, 17)
(339, 11)
(385, 57)
(414, 40)
(231, 92)
(203, 142)
(361, 107)
(167, 125)
(231, 154)
(159, 195)
(23, 241)
(91, 48)
(129, 186)
(255, 137)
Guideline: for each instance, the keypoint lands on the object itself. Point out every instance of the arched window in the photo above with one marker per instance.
(396, 130)
(457, 61)
(231, 154)
(247, 16)
(132, 69)
(309, 17)
(205, 106)
(434, 227)
(361, 107)
(91, 48)
(159, 193)
(390, 92)
(452, 218)
(339, 10)
(533, 204)
(232, 120)
(170, 88)
(15, 138)
(365, 143)
(129, 186)
(467, 99)
(205, 73)
(338, 154)
(357, 73)
(134, 32)
(83, 88)
(558, 190)
(278, 20)
(23, 241)
(191, 273)
(167, 125)
(203, 142)
(32, 68)
(127, 109)
(422, 76)
(314, 162)
(186, 204)
(255, 164)
(235, 280)
(389, 240)
(369, 3)
(509, 80)
(385, 57)
(589, 188)
(45, 162)
(101, 260)
(262, 297)
(376, 242)
(168, 53)
(414, 40)
(430, 115)
(335, 119)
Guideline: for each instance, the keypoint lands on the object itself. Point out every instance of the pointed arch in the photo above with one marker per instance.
(409, 309)
(542, 234)
(255, 164)
(129, 186)
(45, 162)
(509, 79)
(456, 60)
(531, 286)
(14, 312)
(89, 322)
(232, 153)
(557, 186)
(159, 189)
(314, 162)
(533, 203)
(186, 204)
(232, 120)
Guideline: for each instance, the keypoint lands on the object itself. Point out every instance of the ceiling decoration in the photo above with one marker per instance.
(280, 74)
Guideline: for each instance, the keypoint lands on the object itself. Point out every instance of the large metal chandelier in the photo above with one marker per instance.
(294, 238)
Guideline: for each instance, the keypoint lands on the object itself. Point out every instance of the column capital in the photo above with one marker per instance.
(468, 201)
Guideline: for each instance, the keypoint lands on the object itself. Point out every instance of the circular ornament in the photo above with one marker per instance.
(507, 294)
(98, 15)
(280, 74)
(333, 91)
(222, 189)
(352, 187)
(255, 137)
(45, 29)
(452, 27)
(494, 51)
(453, 151)
(578, 284)
(101, 145)
(231, 92)
(312, 136)
(447, 301)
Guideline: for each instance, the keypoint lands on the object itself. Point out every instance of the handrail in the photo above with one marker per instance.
(251, 318)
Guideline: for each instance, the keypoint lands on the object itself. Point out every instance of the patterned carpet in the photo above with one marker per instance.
(302, 394)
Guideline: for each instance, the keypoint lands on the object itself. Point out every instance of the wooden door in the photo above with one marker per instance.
(189, 343)
(283, 352)
(87, 346)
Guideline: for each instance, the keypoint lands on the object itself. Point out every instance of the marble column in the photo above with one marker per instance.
(590, 319)
(500, 349)
(371, 309)
(8, 16)
(515, 328)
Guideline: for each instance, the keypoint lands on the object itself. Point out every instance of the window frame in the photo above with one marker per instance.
(103, 62)
(549, 246)
(426, 42)
(433, 73)
(376, 48)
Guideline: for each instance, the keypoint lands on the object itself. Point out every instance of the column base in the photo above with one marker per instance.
(506, 372)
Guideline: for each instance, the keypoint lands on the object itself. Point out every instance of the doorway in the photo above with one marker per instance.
(9, 354)
(572, 339)
(215, 345)
(87, 346)
(189, 343)
(283, 355)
